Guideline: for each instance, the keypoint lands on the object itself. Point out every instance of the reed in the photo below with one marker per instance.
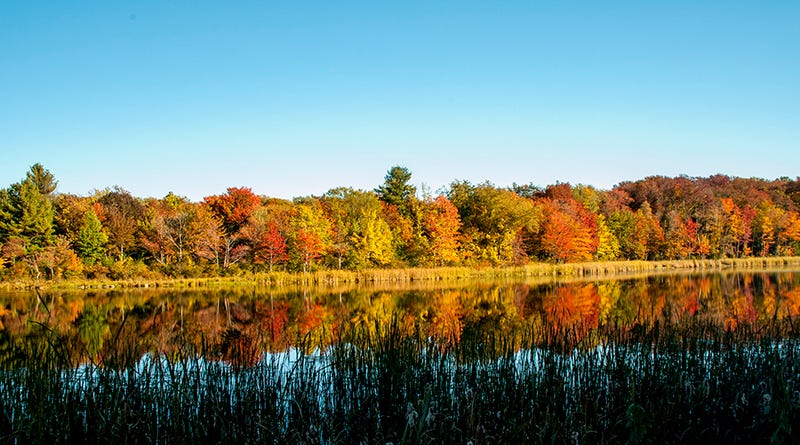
(330, 278)
(687, 381)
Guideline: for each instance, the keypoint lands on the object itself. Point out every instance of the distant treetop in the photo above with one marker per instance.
(396, 189)
(43, 179)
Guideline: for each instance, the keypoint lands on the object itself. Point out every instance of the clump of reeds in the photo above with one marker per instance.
(680, 382)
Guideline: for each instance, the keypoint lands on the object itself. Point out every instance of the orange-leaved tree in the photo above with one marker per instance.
(441, 222)
(234, 207)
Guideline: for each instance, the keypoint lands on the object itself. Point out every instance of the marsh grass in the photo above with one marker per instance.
(681, 382)
(328, 278)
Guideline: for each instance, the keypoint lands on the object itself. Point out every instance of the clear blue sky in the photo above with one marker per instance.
(292, 98)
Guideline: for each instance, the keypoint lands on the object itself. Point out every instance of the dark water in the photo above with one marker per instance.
(245, 322)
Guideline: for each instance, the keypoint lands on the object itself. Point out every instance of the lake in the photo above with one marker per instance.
(270, 320)
(666, 358)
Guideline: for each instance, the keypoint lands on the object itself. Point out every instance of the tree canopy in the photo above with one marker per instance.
(395, 189)
(116, 235)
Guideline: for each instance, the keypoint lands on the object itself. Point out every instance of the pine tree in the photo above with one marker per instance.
(43, 179)
(396, 189)
(91, 239)
(26, 214)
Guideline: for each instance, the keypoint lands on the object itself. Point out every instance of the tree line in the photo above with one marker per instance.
(112, 234)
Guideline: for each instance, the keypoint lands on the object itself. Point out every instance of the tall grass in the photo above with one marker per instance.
(328, 278)
(661, 383)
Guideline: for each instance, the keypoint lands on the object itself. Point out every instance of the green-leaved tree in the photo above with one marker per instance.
(396, 190)
(44, 180)
(26, 214)
(91, 242)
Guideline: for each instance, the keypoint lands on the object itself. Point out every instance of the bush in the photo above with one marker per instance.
(127, 269)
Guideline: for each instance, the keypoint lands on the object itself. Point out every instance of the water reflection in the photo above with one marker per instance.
(240, 324)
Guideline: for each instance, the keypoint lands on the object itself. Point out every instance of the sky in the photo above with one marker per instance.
(293, 98)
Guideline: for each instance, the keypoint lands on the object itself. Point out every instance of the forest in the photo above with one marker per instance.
(110, 234)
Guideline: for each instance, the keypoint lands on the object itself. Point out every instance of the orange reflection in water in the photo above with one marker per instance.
(238, 325)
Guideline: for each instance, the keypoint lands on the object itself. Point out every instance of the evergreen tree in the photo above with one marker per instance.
(396, 190)
(43, 179)
(26, 214)
(91, 240)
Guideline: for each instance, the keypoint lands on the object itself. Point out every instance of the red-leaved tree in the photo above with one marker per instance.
(234, 207)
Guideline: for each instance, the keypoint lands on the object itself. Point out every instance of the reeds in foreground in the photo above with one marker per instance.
(661, 383)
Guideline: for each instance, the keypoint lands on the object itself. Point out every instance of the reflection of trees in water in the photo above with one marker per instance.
(239, 324)
(445, 317)
(92, 329)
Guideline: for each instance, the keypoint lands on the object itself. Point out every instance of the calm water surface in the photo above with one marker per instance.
(242, 323)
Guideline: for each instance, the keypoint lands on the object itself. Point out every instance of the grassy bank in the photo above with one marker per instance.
(337, 277)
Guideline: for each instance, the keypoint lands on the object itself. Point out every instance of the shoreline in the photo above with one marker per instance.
(327, 278)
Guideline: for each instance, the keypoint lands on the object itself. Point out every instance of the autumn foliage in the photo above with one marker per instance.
(234, 207)
(112, 234)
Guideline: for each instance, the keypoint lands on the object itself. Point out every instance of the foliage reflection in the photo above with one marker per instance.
(115, 328)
